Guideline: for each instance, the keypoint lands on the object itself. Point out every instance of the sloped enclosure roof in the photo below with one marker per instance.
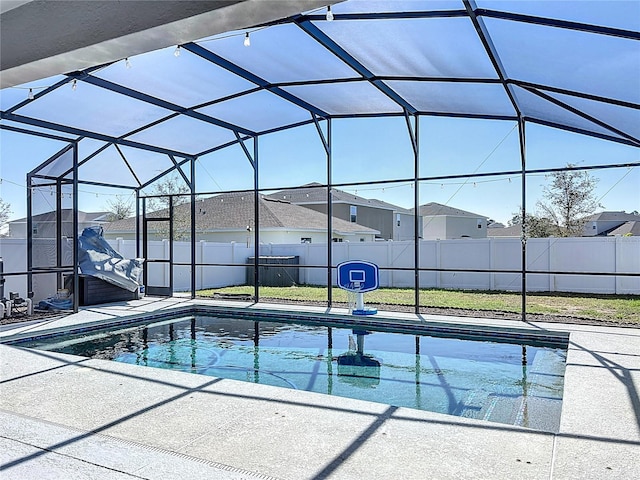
(568, 65)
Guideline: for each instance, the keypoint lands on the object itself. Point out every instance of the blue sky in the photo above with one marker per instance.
(375, 150)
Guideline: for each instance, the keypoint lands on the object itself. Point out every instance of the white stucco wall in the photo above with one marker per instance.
(449, 227)
(405, 230)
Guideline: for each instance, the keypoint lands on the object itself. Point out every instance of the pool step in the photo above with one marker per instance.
(532, 412)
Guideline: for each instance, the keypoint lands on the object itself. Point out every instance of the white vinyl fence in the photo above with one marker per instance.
(581, 255)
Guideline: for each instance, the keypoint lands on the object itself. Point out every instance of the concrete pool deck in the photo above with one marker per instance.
(63, 416)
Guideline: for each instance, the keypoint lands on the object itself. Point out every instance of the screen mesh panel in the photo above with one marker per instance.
(186, 80)
(258, 111)
(94, 109)
(275, 55)
(184, 134)
(441, 47)
(585, 62)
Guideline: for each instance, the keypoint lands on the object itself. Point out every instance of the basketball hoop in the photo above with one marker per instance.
(358, 277)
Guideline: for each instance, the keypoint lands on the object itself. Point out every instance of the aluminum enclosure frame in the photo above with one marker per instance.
(319, 117)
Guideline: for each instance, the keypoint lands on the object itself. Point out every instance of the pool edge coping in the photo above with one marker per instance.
(420, 324)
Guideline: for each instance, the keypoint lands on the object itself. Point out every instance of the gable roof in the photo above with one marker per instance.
(434, 209)
(627, 228)
(234, 211)
(613, 217)
(314, 193)
(67, 216)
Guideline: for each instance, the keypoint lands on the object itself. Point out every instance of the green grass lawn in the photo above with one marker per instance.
(616, 308)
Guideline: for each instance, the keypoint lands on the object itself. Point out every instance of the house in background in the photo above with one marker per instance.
(499, 230)
(229, 218)
(601, 224)
(441, 222)
(611, 224)
(44, 224)
(392, 222)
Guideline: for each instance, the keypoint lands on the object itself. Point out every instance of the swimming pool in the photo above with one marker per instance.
(494, 379)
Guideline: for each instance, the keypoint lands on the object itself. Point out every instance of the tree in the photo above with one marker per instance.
(172, 190)
(5, 211)
(119, 209)
(568, 201)
(535, 226)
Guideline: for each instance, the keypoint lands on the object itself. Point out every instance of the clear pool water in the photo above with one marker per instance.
(508, 383)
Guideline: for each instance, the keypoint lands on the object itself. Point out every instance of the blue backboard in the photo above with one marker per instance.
(358, 276)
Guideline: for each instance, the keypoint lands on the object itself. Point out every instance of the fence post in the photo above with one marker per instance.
(616, 263)
(233, 261)
(305, 277)
(551, 264)
(438, 262)
(492, 275)
(390, 263)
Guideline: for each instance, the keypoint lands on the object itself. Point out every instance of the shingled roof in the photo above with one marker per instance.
(613, 217)
(627, 228)
(314, 193)
(234, 211)
(66, 215)
(512, 231)
(433, 209)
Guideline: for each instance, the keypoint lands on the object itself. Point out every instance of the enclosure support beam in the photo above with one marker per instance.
(251, 158)
(558, 23)
(192, 185)
(122, 90)
(582, 114)
(59, 230)
(11, 128)
(171, 241)
(52, 159)
(12, 117)
(323, 139)
(145, 271)
(492, 52)
(138, 225)
(188, 181)
(247, 75)
(256, 232)
(89, 157)
(329, 217)
(126, 162)
(29, 233)
(76, 270)
(523, 161)
(326, 41)
(162, 174)
(39, 94)
(326, 143)
(414, 135)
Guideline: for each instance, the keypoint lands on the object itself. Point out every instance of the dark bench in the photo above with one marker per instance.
(93, 291)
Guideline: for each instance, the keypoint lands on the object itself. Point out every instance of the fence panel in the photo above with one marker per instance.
(599, 254)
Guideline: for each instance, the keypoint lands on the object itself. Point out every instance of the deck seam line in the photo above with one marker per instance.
(553, 456)
(220, 466)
